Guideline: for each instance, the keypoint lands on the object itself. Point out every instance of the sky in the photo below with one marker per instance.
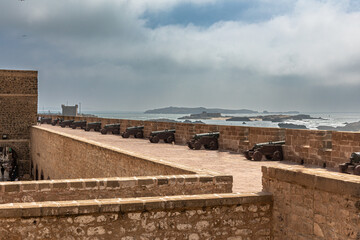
(134, 55)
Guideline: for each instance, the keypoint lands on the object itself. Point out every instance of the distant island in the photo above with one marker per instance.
(198, 110)
(355, 126)
(203, 115)
(272, 118)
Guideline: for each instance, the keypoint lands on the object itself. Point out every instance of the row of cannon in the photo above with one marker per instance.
(268, 150)
(208, 140)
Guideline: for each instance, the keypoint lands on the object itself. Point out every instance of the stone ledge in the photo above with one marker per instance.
(39, 209)
(110, 183)
(34, 72)
(315, 178)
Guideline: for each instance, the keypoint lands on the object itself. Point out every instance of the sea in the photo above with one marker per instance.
(334, 119)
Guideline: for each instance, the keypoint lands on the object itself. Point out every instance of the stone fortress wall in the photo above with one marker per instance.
(175, 202)
(312, 147)
(18, 112)
(307, 203)
(313, 203)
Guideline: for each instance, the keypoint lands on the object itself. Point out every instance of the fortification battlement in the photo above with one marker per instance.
(310, 147)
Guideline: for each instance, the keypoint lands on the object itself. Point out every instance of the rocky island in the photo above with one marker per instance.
(273, 118)
(203, 115)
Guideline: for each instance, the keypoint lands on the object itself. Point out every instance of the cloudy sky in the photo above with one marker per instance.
(125, 55)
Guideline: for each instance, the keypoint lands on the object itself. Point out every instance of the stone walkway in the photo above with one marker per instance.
(246, 174)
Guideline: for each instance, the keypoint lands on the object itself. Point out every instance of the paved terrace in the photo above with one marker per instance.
(246, 174)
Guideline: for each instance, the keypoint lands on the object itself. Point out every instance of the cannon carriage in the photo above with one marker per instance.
(46, 120)
(168, 136)
(56, 121)
(93, 125)
(137, 132)
(66, 123)
(81, 124)
(271, 151)
(353, 166)
(113, 128)
(208, 140)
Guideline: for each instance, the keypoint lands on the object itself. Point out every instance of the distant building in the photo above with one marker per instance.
(69, 110)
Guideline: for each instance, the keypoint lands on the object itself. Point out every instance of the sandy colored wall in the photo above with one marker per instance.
(64, 157)
(220, 216)
(313, 203)
(103, 188)
(18, 112)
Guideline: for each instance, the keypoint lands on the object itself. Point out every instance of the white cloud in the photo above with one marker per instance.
(318, 42)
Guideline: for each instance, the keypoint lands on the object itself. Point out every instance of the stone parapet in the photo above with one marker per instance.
(313, 203)
(311, 147)
(223, 216)
(66, 156)
(86, 189)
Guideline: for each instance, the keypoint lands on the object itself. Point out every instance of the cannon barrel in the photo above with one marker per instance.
(163, 131)
(81, 121)
(209, 134)
(94, 123)
(67, 121)
(115, 125)
(270, 143)
(355, 157)
(136, 127)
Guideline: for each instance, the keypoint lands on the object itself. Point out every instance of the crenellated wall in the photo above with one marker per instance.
(313, 147)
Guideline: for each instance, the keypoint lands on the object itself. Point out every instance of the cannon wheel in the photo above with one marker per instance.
(257, 156)
(73, 127)
(87, 129)
(126, 135)
(247, 155)
(191, 145)
(139, 135)
(169, 139)
(103, 131)
(96, 129)
(343, 168)
(277, 156)
(213, 145)
(62, 125)
(197, 145)
(154, 139)
(357, 170)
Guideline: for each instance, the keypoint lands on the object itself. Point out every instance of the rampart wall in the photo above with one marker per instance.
(18, 111)
(62, 156)
(313, 203)
(313, 147)
(215, 216)
(102, 188)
